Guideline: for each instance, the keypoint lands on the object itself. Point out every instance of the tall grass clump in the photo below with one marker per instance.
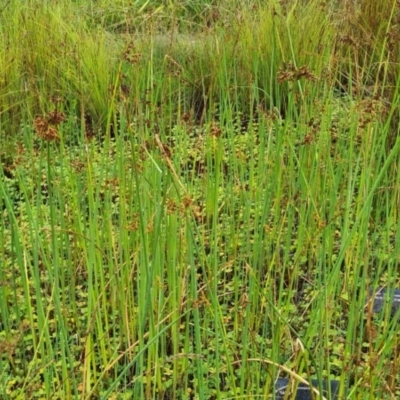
(194, 202)
(48, 54)
(366, 44)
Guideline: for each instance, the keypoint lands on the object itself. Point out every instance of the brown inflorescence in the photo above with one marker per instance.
(46, 127)
(291, 73)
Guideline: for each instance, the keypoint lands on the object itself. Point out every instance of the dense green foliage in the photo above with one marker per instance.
(196, 198)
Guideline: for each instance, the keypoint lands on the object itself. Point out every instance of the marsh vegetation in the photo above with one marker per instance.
(196, 198)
